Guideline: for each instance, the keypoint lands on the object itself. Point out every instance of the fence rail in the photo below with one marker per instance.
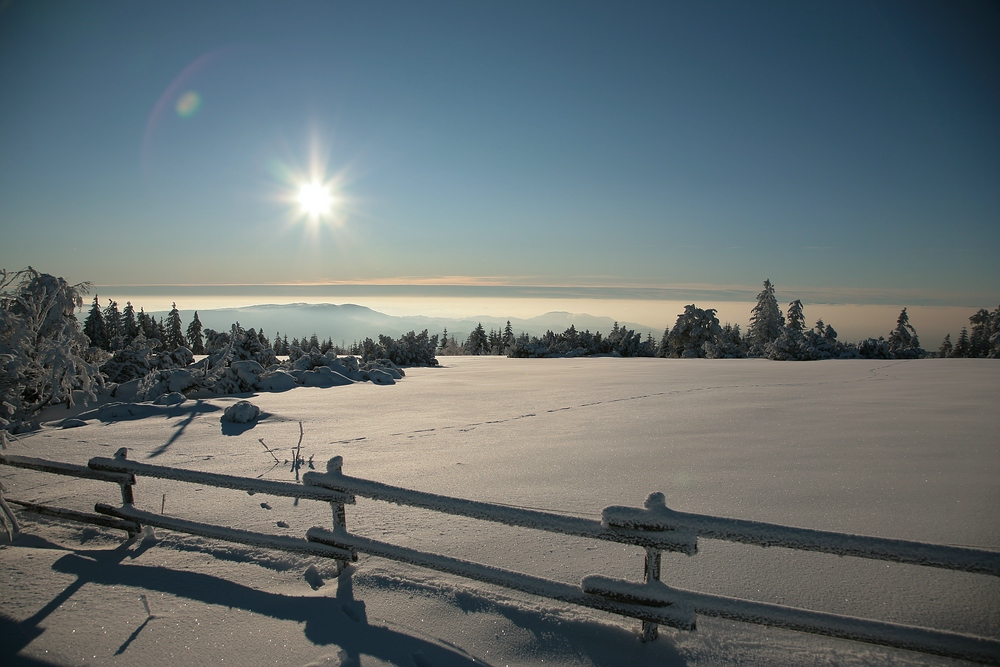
(654, 527)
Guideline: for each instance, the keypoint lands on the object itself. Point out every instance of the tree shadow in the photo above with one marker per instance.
(193, 411)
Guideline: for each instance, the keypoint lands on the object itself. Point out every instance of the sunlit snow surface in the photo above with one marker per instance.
(895, 449)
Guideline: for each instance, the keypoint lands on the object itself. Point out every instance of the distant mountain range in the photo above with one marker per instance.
(349, 322)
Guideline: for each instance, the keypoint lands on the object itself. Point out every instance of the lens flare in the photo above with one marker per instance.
(188, 104)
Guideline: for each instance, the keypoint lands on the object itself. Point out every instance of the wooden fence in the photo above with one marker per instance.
(654, 527)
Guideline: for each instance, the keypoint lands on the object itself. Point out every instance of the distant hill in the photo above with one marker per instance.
(349, 322)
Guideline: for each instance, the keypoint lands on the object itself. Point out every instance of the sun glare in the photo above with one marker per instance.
(315, 199)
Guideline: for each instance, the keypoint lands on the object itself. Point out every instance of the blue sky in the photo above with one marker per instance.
(849, 151)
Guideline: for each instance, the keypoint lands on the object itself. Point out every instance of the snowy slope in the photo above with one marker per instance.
(895, 449)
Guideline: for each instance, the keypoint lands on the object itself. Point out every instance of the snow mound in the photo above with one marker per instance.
(241, 412)
(173, 398)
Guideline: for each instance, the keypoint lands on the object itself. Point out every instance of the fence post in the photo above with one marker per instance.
(128, 498)
(650, 631)
(334, 467)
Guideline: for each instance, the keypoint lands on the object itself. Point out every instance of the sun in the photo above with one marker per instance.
(315, 199)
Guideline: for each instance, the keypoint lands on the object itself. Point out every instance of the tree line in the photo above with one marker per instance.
(771, 334)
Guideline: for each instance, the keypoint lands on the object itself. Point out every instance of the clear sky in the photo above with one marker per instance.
(848, 151)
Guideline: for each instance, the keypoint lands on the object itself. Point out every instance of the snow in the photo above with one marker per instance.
(899, 450)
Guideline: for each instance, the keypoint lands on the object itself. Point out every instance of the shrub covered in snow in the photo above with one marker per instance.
(44, 355)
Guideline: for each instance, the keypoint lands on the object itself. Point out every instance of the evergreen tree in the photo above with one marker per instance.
(477, 342)
(93, 327)
(195, 339)
(791, 345)
(508, 336)
(766, 321)
(664, 350)
(979, 338)
(130, 328)
(903, 341)
(147, 325)
(796, 318)
(113, 326)
(314, 343)
(695, 333)
(284, 344)
(444, 339)
(174, 329)
(161, 330)
(963, 348)
(946, 347)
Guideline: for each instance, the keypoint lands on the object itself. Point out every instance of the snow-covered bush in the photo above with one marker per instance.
(43, 351)
(874, 348)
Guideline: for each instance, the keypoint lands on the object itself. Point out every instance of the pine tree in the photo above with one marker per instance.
(766, 321)
(444, 339)
(946, 347)
(130, 328)
(903, 340)
(979, 338)
(195, 339)
(113, 326)
(147, 325)
(963, 348)
(796, 318)
(508, 336)
(93, 326)
(174, 329)
(314, 343)
(477, 342)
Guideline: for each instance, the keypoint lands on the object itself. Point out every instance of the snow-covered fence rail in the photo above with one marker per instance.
(654, 527)
(124, 481)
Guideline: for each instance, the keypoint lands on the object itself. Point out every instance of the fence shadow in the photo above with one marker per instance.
(339, 620)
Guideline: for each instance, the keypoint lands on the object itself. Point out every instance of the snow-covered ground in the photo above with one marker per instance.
(905, 449)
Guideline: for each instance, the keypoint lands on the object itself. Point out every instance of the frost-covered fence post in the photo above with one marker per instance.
(334, 467)
(128, 498)
(652, 574)
(652, 568)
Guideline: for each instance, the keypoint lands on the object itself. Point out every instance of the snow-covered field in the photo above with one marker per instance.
(905, 449)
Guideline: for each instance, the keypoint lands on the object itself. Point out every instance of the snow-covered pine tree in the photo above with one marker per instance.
(93, 326)
(130, 328)
(695, 333)
(113, 326)
(477, 342)
(508, 337)
(903, 340)
(195, 339)
(766, 321)
(175, 329)
(791, 345)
